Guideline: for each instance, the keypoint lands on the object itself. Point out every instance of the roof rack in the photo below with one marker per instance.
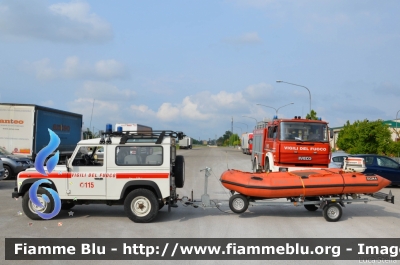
(125, 135)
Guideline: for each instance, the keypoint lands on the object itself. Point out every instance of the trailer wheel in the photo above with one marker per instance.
(30, 208)
(238, 203)
(332, 212)
(311, 207)
(179, 171)
(141, 206)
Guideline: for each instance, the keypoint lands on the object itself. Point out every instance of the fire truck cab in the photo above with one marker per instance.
(291, 144)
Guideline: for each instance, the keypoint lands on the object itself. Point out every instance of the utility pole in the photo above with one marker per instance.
(232, 126)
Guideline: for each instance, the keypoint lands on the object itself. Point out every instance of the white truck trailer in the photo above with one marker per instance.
(185, 143)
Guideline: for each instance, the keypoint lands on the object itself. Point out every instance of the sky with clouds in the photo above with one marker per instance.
(193, 65)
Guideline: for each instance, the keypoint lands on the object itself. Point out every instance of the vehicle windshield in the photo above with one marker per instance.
(304, 131)
(4, 151)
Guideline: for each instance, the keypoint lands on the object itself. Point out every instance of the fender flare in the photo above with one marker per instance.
(27, 183)
(142, 183)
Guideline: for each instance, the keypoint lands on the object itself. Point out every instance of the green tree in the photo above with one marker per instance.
(234, 139)
(365, 137)
(312, 115)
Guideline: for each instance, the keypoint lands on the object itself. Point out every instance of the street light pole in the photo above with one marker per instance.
(309, 93)
(276, 110)
(244, 124)
(251, 118)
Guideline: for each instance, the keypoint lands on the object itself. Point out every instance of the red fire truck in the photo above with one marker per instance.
(291, 144)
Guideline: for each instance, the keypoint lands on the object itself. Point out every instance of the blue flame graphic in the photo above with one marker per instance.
(45, 152)
(35, 200)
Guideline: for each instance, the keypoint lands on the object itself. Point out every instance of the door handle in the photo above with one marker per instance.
(98, 178)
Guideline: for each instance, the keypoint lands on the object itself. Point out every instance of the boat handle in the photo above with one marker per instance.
(256, 178)
(304, 177)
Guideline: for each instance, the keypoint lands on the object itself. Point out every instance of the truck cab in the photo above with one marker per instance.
(291, 144)
(139, 170)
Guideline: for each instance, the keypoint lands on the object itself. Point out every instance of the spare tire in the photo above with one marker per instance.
(179, 171)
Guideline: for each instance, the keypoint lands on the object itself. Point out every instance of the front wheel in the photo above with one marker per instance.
(7, 172)
(332, 212)
(238, 203)
(141, 206)
(30, 208)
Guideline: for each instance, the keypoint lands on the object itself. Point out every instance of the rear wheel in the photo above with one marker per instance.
(332, 212)
(238, 203)
(141, 206)
(179, 171)
(30, 208)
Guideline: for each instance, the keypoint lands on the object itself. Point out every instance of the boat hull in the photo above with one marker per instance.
(301, 183)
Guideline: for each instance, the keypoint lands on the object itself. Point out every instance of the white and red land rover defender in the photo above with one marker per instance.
(139, 170)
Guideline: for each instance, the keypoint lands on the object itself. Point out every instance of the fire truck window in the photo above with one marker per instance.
(139, 156)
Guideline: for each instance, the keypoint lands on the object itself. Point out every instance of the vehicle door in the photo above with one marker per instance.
(388, 169)
(87, 171)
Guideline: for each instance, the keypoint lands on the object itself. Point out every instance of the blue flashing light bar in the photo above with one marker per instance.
(108, 128)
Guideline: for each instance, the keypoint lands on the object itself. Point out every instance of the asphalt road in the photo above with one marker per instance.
(371, 220)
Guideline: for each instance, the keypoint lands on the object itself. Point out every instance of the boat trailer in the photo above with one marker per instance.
(331, 205)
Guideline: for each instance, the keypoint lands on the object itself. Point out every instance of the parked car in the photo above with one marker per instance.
(13, 164)
(1, 169)
(337, 159)
(382, 166)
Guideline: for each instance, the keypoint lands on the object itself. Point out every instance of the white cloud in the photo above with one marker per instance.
(104, 91)
(41, 69)
(71, 22)
(246, 38)
(168, 112)
(110, 69)
(74, 68)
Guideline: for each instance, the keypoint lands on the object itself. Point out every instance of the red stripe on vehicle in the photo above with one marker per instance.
(142, 175)
(35, 175)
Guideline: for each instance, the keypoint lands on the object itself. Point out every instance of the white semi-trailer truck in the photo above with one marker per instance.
(185, 143)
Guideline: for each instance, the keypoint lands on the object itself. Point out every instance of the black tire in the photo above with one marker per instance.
(179, 171)
(332, 212)
(311, 207)
(160, 205)
(254, 166)
(29, 208)
(141, 206)
(8, 173)
(67, 205)
(238, 203)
